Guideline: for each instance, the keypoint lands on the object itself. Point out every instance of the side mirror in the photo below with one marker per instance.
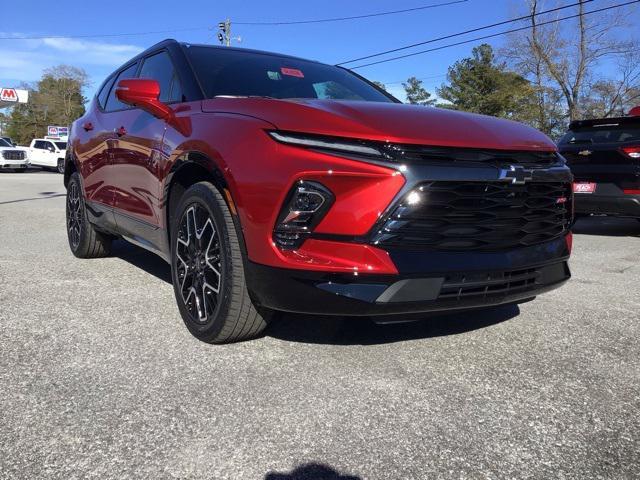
(143, 93)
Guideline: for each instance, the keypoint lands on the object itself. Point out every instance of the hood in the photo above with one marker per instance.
(393, 122)
(22, 149)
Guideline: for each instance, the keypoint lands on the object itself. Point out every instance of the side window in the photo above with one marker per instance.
(159, 68)
(176, 89)
(112, 102)
(104, 92)
(50, 146)
(40, 145)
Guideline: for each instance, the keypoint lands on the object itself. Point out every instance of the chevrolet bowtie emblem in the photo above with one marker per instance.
(585, 153)
(516, 175)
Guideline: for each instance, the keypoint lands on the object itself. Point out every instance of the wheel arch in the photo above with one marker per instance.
(70, 166)
(190, 168)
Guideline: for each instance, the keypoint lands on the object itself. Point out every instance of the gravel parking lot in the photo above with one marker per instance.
(100, 379)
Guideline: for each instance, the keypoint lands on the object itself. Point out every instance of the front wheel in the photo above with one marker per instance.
(207, 270)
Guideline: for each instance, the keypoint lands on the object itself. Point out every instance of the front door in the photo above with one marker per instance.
(138, 159)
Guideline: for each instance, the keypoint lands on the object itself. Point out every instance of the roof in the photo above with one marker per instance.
(247, 50)
(171, 41)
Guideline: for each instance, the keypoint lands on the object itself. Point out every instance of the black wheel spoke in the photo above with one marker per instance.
(198, 263)
(75, 215)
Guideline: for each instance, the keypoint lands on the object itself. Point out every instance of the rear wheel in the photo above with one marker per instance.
(84, 240)
(207, 270)
(60, 167)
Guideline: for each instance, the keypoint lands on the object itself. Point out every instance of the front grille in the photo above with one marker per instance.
(448, 155)
(478, 216)
(13, 154)
(482, 285)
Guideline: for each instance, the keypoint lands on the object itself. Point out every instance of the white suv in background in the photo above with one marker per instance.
(13, 158)
(48, 153)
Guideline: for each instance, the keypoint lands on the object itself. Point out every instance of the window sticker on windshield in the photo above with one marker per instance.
(292, 72)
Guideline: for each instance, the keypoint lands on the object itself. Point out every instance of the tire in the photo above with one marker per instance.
(207, 270)
(84, 240)
(60, 168)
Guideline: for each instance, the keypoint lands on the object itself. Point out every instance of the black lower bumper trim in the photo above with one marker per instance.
(337, 294)
(618, 205)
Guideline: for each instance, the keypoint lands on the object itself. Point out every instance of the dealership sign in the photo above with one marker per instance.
(54, 131)
(10, 96)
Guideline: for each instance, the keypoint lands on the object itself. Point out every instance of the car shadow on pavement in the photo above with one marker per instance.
(607, 226)
(46, 196)
(143, 259)
(311, 471)
(342, 330)
(364, 331)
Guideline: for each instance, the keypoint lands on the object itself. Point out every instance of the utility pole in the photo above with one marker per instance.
(224, 33)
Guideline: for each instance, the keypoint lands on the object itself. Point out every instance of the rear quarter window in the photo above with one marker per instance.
(104, 92)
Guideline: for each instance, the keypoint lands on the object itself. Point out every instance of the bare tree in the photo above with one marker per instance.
(562, 58)
(608, 98)
(70, 83)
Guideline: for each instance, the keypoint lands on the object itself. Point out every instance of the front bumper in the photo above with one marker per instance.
(614, 205)
(17, 164)
(427, 282)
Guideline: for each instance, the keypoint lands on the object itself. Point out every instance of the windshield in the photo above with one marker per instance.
(61, 145)
(603, 134)
(4, 143)
(236, 73)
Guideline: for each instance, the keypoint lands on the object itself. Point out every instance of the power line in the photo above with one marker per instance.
(106, 35)
(466, 32)
(297, 22)
(356, 17)
(493, 35)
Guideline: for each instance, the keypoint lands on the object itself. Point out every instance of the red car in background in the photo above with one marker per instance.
(272, 183)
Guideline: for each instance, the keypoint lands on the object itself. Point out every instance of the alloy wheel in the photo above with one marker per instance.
(199, 263)
(74, 215)
(60, 166)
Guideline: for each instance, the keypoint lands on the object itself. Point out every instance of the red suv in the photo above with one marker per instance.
(272, 183)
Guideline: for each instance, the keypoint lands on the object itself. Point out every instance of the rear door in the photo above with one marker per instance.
(602, 152)
(95, 139)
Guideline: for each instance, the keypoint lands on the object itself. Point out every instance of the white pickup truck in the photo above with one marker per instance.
(13, 158)
(48, 153)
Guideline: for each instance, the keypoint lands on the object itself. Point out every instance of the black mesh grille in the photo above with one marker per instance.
(13, 155)
(492, 216)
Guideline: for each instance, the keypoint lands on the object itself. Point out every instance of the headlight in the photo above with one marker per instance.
(305, 206)
(321, 142)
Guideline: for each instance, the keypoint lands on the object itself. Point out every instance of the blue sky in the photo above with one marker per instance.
(196, 21)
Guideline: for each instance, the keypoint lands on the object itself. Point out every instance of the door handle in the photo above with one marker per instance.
(88, 126)
(121, 131)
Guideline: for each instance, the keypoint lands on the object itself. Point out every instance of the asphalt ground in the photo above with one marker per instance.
(100, 379)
